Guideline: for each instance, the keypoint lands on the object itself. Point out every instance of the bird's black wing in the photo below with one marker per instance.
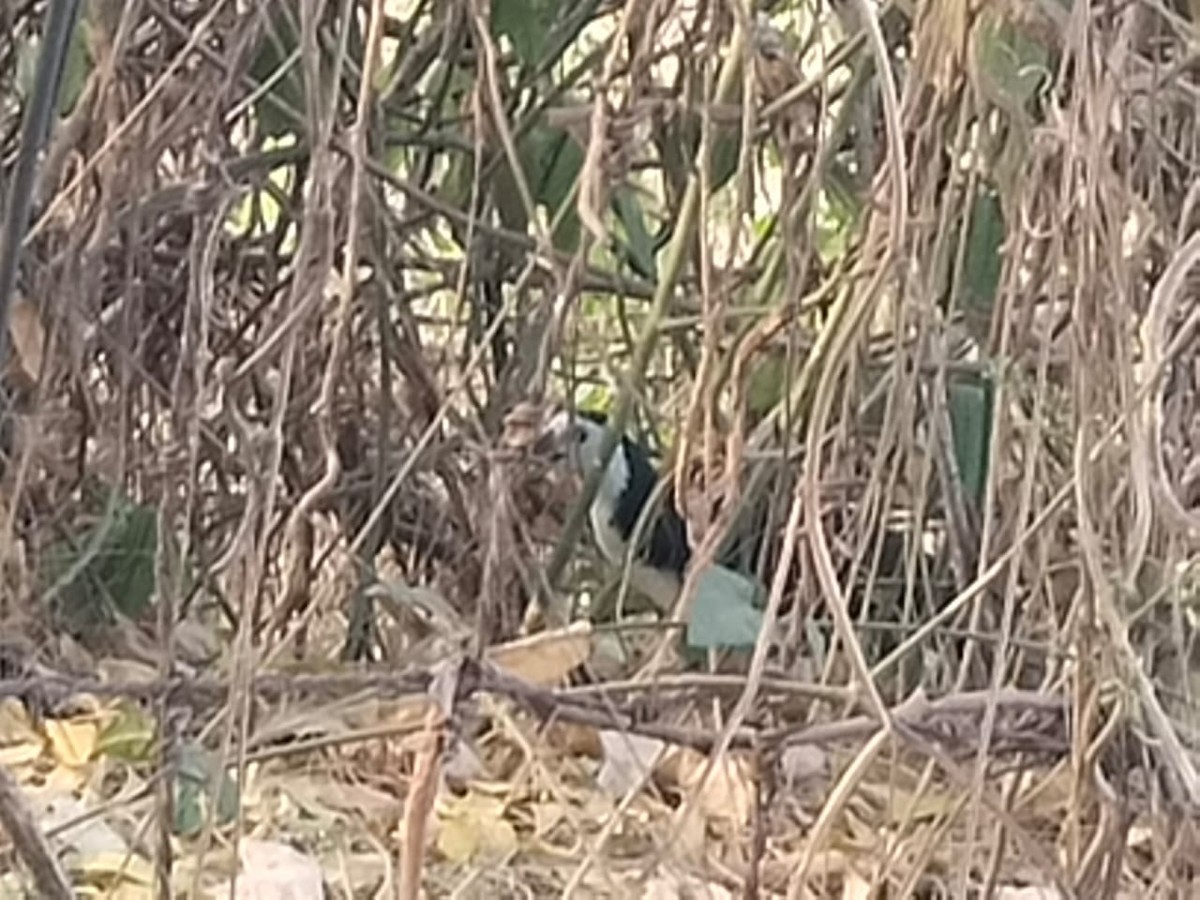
(667, 545)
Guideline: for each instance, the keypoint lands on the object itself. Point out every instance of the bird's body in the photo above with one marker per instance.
(625, 491)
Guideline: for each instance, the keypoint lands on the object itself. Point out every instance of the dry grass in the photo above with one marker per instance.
(280, 353)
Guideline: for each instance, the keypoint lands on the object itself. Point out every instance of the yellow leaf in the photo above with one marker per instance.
(19, 754)
(129, 868)
(15, 726)
(458, 839)
(497, 840)
(67, 779)
(15, 720)
(482, 807)
(491, 789)
(72, 741)
(545, 658)
(127, 891)
(20, 742)
(474, 825)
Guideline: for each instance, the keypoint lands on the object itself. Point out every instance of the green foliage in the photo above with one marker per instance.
(1013, 66)
(201, 783)
(983, 261)
(107, 569)
(679, 141)
(129, 736)
(594, 396)
(982, 264)
(76, 67)
(837, 221)
(552, 160)
(727, 151)
(276, 64)
(725, 613)
(241, 219)
(527, 23)
(638, 247)
(970, 406)
(767, 382)
(1011, 71)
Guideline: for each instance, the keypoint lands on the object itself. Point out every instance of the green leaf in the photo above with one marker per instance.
(970, 407)
(129, 737)
(1012, 67)
(258, 209)
(108, 569)
(982, 264)
(1009, 69)
(76, 65)
(727, 149)
(507, 197)
(767, 382)
(724, 613)
(639, 244)
(837, 222)
(597, 396)
(552, 160)
(277, 51)
(526, 23)
(455, 186)
(127, 562)
(197, 774)
(189, 811)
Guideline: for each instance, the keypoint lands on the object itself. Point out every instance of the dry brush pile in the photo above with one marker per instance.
(905, 294)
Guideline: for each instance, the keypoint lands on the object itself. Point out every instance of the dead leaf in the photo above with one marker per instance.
(458, 839)
(19, 754)
(522, 426)
(901, 805)
(67, 779)
(90, 845)
(855, 887)
(546, 817)
(28, 338)
(129, 868)
(443, 684)
(473, 826)
(20, 742)
(803, 763)
(730, 789)
(545, 658)
(325, 798)
(72, 741)
(275, 871)
(574, 740)
(628, 760)
(671, 885)
(126, 890)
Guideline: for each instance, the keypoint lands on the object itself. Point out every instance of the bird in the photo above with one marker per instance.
(725, 611)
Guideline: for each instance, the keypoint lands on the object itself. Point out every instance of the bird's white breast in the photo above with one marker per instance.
(616, 476)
